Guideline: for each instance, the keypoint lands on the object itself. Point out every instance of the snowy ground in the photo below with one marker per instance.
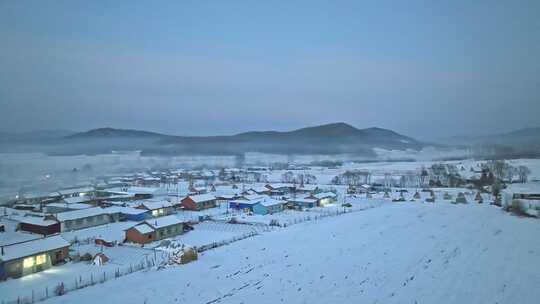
(397, 253)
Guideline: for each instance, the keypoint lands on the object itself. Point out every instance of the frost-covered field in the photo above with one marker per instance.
(396, 253)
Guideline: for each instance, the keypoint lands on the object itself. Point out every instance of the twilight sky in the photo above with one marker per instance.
(427, 69)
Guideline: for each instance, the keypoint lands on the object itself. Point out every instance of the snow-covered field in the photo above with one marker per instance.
(396, 253)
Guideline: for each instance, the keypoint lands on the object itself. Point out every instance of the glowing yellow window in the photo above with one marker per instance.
(28, 262)
(154, 213)
(41, 259)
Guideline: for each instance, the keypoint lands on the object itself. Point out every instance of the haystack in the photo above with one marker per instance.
(461, 199)
(478, 197)
(188, 256)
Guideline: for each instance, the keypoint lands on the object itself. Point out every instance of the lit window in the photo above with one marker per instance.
(154, 213)
(28, 262)
(41, 259)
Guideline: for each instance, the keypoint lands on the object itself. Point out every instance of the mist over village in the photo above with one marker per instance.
(269, 152)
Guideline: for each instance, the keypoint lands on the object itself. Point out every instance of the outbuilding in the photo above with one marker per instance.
(157, 208)
(199, 202)
(155, 229)
(38, 225)
(85, 218)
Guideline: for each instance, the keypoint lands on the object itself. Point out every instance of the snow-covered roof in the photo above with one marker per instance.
(153, 205)
(144, 228)
(70, 206)
(77, 199)
(142, 190)
(34, 220)
(271, 202)
(127, 210)
(250, 197)
(278, 186)
(244, 202)
(33, 247)
(77, 214)
(202, 198)
(260, 189)
(324, 195)
(303, 200)
(75, 190)
(164, 221)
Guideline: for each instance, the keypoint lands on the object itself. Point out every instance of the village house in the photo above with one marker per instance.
(243, 204)
(324, 198)
(198, 202)
(74, 192)
(19, 259)
(301, 203)
(280, 189)
(34, 199)
(131, 214)
(268, 206)
(37, 225)
(155, 229)
(157, 208)
(142, 192)
(307, 189)
(63, 207)
(85, 218)
(260, 190)
(225, 198)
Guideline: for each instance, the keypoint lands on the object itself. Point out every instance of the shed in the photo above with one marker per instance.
(199, 202)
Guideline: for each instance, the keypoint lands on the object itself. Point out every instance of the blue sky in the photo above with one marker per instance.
(424, 68)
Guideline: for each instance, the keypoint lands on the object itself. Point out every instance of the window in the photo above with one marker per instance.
(41, 259)
(28, 262)
(154, 213)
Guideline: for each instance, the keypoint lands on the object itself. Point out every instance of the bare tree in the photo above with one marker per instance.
(523, 173)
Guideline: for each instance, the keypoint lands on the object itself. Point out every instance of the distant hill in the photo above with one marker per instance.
(334, 138)
(114, 133)
(525, 136)
(324, 139)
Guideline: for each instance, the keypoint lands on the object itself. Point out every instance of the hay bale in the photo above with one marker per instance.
(188, 256)
(478, 197)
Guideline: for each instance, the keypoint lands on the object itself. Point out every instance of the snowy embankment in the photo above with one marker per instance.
(399, 253)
